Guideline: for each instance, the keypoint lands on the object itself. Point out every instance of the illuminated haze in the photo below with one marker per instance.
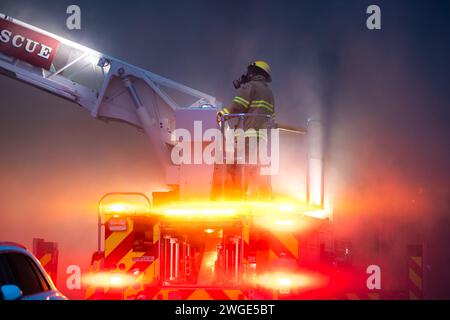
(383, 97)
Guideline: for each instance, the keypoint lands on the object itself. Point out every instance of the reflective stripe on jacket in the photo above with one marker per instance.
(253, 97)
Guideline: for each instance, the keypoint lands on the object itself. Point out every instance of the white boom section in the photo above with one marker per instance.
(107, 87)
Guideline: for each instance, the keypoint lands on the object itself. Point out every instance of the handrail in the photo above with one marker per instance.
(281, 126)
(99, 210)
(241, 117)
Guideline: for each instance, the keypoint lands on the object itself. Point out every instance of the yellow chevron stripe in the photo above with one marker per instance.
(90, 290)
(132, 290)
(115, 239)
(272, 255)
(246, 233)
(417, 260)
(45, 259)
(164, 293)
(288, 241)
(233, 294)
(199, 294)
(127, 259)
(155, 232)
(374, 296)
(352, 296)
(145, 277)
(412, 296)
(151, 272)
(414, 277)
(96, 266)
(274, 294)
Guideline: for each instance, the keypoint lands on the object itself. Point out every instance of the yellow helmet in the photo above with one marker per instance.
(263, 66)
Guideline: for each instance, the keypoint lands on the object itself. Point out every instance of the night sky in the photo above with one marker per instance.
(383, 95)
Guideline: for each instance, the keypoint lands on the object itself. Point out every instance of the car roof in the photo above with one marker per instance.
(15, 247)
(12, 244)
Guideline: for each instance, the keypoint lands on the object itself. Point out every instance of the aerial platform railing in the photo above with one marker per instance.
(240, 146)
(314, 137)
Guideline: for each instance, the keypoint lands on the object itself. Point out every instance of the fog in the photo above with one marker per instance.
(383, 98)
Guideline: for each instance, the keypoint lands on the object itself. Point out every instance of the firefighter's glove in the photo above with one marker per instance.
(219, 117)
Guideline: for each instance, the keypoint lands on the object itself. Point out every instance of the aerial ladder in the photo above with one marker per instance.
(177, 244)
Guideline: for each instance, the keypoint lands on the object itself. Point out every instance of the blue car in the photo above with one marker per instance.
(22, 277)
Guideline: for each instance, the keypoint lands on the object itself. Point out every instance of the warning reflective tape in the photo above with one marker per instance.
(117, 246)
(46, 258)
(251, 133)
(262, 104)
(361, 296)
(286, 243)
(199, 294)
(241, 101)
(415, 280)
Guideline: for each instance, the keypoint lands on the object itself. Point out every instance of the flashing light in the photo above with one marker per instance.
(109, 280)
(284, 222)
(94, 60)
(312, 210)
(286, 208)
(118, 208)
(284, 282)
(200, 211)
(287, 281)
(319, 214)
(279, 213)
(115, 281)
(209, 231)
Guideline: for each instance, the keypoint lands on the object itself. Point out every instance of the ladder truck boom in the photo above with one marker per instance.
(108, 88)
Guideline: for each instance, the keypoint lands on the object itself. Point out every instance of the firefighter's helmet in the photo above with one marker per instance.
(264, 66)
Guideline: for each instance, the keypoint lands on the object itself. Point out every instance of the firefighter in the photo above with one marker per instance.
(254, 96)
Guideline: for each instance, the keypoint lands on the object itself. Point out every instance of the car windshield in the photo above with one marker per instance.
(20, 270)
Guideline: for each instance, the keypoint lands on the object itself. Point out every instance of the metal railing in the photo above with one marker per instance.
(241, 117)
(100, 210)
